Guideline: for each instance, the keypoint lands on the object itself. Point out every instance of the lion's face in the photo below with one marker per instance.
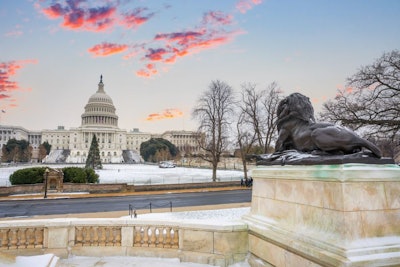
(296, 106)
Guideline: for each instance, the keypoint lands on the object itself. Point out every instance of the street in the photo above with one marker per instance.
(29, 208)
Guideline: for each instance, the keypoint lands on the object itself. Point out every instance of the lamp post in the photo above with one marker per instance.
(46, 176)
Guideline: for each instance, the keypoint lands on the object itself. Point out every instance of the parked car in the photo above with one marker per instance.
(167, 164)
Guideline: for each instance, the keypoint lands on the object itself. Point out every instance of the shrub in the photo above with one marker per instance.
(91, 176)
(74, 175)
(28, 176)
(79, 175)
(71, 175)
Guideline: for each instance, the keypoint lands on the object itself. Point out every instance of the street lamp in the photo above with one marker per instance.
(46, 176)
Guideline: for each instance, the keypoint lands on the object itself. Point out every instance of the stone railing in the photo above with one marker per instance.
(143, 236)
(219, 245)
(21, 238)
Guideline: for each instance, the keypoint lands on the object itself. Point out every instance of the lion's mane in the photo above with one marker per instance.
(295, 107)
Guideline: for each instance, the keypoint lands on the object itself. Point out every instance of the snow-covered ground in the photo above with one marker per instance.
(49, 260)
(218, 216)
(141, 174)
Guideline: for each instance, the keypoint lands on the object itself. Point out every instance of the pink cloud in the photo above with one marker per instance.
(86, 15)
(7, 71)
(148, 71)
(212, 32)
(217, 17)
(215, 29)
(135, 18)
(245, 5)
(83, 15)
(169, 113)
(107, 49)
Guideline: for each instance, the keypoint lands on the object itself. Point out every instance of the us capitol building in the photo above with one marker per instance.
(99, 118)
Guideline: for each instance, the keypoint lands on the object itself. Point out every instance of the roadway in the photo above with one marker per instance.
(34, 207)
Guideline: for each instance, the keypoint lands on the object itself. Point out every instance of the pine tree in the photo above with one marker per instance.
(93, 160)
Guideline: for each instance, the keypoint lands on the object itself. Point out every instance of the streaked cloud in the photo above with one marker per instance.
(245, 5)
(107, 49)
(147, 71)
(78, 15)
(8, 70)
(170, 113)
(213, 31)
(85, 15)
(136, 17)
(17, 31)
(215, 28)
(217, 17)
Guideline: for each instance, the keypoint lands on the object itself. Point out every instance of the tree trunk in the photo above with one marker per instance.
(244, 168)
(214, 172)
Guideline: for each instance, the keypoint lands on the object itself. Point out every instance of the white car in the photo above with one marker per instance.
(166, 164)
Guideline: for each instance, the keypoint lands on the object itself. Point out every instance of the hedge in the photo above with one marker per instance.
(71, 175)
(28, 176)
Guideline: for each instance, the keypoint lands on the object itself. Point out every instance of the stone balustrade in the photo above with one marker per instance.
(219, 245)
(21, 238)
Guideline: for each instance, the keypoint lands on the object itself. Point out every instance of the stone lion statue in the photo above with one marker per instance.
(297, 130)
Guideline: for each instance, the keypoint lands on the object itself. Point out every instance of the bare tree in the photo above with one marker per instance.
(214, 111)
(245, 139)
(259, 108)
(371, 102)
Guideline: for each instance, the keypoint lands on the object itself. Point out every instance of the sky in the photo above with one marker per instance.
(157, 57)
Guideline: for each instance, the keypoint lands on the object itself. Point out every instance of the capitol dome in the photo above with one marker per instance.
(100, 110)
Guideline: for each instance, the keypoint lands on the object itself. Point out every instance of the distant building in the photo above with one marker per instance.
(99, 118)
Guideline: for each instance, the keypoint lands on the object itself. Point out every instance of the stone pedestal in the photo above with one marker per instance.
(325, 215)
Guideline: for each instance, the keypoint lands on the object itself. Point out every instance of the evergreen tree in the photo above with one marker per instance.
(93, 160)
(16, 151)
(44, 150)
(157, 149)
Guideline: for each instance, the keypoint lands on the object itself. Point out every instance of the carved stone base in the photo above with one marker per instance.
(325, 215)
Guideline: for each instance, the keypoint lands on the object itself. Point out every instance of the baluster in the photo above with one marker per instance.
(158, 237)
(172, 237)
(12, 239)
(94, 236)
(137, 237)
(167, 237)
(175, 239)
(151, 234)
(84, 236)
(146, 236)
(141, 236)
(78, 235)
(29, 239)
(107, 232)
(22, 238)
(35, 239)
(114, 235)
(101, 236)
(91, 235)
(4, 242)
(3, 236)
(118, 236)
(18, 238)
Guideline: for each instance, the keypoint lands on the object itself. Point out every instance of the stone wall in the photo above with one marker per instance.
(110, 188)
(200, 243)
(326, 215)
